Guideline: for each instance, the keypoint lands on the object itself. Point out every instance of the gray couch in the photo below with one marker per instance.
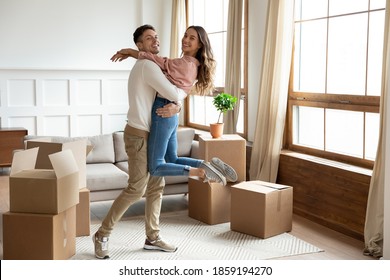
(107, 163)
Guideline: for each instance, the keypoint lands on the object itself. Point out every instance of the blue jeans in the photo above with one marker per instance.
(162, 146)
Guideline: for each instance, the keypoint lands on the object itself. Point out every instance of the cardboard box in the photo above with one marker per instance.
(46, 147)
(261, 209)
(208, 202)
(41, 190)
(29, 236)
(231, 148)
(83, 216)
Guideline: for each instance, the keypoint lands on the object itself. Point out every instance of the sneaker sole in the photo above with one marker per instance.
(228, 171)
(151, 247)
(214, 170)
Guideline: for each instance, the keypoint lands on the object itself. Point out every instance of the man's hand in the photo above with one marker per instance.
(168, 110)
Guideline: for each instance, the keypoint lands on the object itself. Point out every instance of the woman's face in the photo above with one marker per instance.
(190, 43)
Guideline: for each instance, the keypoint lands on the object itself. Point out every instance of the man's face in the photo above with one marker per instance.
(149, 42)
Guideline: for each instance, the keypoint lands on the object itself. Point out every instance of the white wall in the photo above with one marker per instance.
(64, 102)
(56, 77)
(74, 34)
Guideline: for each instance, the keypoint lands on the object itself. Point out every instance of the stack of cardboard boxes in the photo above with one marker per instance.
(210, 202)
(256, 208)
(49, 202)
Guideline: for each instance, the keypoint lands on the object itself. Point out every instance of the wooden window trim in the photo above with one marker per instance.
(218, 90)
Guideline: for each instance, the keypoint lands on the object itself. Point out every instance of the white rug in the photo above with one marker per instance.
(195, 241)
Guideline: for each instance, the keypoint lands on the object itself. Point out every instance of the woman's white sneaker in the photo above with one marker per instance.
(212, 174)
(225, 169)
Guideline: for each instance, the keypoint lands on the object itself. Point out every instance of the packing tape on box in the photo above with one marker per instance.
(65, 228)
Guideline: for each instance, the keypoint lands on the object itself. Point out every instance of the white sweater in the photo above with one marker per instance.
(145, 79)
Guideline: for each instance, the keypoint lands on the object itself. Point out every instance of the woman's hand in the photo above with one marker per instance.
(124, 53)
(119, 56)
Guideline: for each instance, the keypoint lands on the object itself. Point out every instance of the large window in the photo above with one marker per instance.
(213, 15)
(336, 79)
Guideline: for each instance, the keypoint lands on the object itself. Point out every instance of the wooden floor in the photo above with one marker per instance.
(336, 246)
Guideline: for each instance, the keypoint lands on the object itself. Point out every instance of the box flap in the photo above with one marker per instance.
(42, 139)
(79, 149)
(36, 174)
(24, 160)
(89, 149)
(272, 185)
(45, 149)
(261, 186)
(63, 163)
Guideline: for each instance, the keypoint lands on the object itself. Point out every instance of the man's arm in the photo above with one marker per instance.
(157, 80)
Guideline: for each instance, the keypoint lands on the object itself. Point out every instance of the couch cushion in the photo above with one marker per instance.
(102, 146)
(105, 176)
(184, 141)
(102, 149)
(170, 180)
(122, 165)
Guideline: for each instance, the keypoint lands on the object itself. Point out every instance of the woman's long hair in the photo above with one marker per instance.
(206, 70)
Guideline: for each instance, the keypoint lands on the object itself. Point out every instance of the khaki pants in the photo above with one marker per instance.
(139, 183)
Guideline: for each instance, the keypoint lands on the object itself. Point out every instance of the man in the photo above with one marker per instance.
(145, 80)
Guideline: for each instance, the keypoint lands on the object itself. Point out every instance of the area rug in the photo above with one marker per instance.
(195, 241)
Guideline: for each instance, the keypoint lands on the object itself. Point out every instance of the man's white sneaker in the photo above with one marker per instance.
(101, 246)
(159, 244)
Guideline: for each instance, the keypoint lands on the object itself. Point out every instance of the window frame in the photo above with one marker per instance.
(359, 103)
(217, 90)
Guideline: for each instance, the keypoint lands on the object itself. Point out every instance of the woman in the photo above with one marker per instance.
(194, 73)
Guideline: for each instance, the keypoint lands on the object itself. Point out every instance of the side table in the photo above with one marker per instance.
(11, 139)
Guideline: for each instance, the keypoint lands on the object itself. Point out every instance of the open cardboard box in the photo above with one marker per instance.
(208, 202)
(46, 191)
(79, 148)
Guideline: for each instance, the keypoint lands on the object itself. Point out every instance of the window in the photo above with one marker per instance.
(213, 16)
(335, 83)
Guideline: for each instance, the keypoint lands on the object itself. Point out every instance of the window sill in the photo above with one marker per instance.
(327, 162)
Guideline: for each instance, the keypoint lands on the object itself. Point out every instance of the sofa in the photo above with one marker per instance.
(106, 164)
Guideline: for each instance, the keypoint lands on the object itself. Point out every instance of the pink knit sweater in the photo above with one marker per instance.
(182, 72)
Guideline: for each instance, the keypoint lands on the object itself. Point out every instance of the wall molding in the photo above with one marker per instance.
(64, 102)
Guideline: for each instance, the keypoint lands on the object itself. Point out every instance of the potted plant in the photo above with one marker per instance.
(223, 102)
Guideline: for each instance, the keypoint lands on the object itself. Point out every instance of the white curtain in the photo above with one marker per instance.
(178, 26)
(273, 91)
(233, 65)
(373, 230)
